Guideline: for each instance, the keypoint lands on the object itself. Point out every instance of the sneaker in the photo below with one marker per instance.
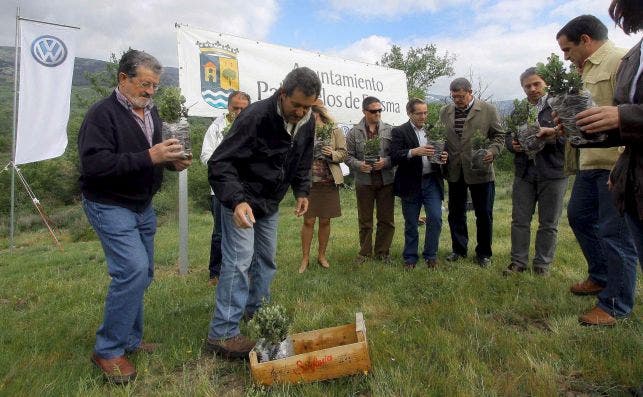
(235, 347)
(513, 269)
(587, 287)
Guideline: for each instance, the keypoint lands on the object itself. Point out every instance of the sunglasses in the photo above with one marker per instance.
(374, 111)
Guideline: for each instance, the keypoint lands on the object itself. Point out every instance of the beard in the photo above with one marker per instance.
(141, 101)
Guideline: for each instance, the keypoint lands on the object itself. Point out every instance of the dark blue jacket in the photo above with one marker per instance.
(115, 165)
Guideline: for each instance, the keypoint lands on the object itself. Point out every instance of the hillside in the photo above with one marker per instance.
(81, 67)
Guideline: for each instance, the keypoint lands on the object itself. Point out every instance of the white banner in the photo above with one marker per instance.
(211, 65)
(46, 70)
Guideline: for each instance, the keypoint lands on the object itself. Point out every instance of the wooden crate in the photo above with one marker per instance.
(321, 354)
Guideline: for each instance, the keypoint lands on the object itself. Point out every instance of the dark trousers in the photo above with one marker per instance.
(215, 244)
(482, 196)
(370, 197)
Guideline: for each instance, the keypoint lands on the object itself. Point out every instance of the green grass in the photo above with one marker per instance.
(458, 330)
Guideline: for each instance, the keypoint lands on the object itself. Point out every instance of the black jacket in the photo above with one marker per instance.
(115, 165)
(408, 176)
(258, 160)
(549, 162)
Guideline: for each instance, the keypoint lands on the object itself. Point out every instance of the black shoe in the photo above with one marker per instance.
(541, 271)
(512, 269)
(454, 256)
(483, 261)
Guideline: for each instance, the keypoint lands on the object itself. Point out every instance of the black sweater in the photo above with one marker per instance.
(258, 159)
(115, 165)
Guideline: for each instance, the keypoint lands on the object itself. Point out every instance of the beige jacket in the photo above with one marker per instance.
(599, 78)
(337, 156)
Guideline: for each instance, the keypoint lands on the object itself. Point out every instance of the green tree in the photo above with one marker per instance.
(229, 75)
(101, 83)
(422, 66)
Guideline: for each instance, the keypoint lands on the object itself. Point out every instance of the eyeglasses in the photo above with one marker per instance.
(374, 111)
(420, 113)
(146, 85)
(458, 97)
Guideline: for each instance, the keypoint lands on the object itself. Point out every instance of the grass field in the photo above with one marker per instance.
(457, 330)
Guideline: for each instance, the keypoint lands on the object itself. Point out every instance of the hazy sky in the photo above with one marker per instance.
(496, 40)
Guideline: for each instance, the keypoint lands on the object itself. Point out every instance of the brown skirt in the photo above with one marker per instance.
(323, 201)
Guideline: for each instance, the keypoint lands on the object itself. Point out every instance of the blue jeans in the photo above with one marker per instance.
(430, 197)
(605, 241)
(482, 197)
(215, 242)
(247, 270)
(127, 238)
(636, 230)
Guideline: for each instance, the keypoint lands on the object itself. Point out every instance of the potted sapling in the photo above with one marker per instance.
(523, 124)
(230, 117)
(435, 134)
(567, 98)
(372, 150)
(171, 107)
(479, 150)
(270, 326)
(323, 137)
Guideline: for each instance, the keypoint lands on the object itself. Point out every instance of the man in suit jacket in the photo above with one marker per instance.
(465, 120)
(418, 183)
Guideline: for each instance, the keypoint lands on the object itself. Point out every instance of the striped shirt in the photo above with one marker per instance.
(460, 117)
(146, 123)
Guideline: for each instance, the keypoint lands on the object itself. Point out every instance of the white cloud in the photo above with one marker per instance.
(493, 54)
(385, 9)
(112, 27)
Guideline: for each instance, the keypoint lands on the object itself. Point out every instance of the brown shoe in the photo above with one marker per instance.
(145, 347)
(512, 269)
(587, 287)
(409, 266)
(597, 316)
(213, 281)
(235, 347)
(431, 263)
(117, 370)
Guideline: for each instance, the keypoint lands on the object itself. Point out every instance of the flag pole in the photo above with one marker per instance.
(15, 120)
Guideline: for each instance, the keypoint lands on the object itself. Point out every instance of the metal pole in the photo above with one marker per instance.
(183, 222)
(15, 121)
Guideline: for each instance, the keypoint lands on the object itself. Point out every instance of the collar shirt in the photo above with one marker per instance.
(421, 136)
(637, 76)
(146, 123)
(290, 127)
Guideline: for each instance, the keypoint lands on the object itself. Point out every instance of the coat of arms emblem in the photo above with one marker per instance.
(219, 73)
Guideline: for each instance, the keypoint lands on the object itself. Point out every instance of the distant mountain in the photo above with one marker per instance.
(170, 75)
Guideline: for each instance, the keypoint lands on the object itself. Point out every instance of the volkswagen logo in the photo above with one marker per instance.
(49, 51)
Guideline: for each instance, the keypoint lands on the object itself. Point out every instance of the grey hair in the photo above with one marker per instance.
(132, 59)
(460, 84)
(303, 79)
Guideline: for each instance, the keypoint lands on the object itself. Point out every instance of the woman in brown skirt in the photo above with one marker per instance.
(323, 201)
